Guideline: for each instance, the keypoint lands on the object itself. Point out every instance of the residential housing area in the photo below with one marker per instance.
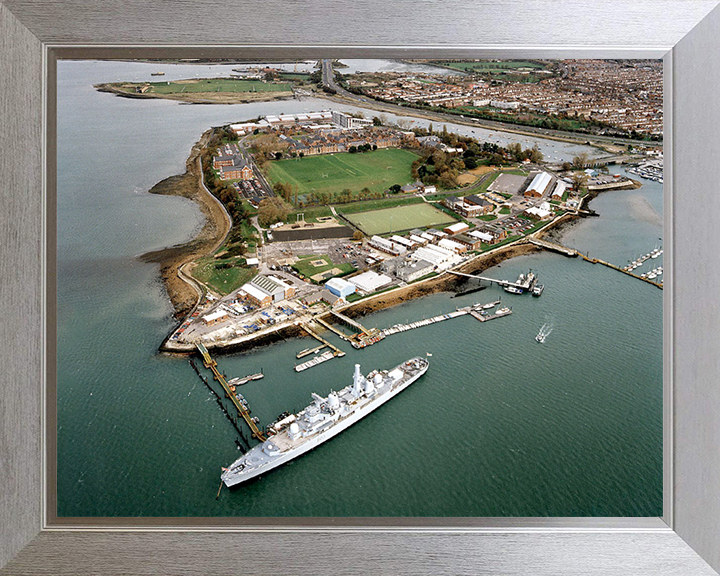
(619, 96)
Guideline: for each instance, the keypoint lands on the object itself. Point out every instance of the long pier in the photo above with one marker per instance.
(571, 252)
(493, 280)
(598, 261)
(242, 410)
(474, 311)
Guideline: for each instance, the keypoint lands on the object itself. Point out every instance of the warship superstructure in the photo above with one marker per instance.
(326, 417)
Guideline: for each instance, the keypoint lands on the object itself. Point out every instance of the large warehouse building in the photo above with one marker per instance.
(339, 287)
(263, 290)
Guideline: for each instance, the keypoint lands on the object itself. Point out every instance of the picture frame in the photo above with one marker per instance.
(685, 541)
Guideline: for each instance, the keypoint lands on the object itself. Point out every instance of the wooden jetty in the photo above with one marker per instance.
(349, 321)
(598, 261)
(242, 410)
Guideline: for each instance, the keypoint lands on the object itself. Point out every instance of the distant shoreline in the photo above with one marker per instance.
(199, 97)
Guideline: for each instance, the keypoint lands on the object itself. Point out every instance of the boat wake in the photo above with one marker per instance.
(545, 331)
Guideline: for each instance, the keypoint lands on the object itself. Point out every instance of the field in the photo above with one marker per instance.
(216, 85)
(214, 273)
(320, 268)
(376, 170)
(399, 219)
(494, 67)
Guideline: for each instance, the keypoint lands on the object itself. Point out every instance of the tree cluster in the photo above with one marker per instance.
(362, 148)
(273, 210)
(519, 155)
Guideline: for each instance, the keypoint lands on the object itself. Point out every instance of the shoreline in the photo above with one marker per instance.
(199, 97)
(185, 293)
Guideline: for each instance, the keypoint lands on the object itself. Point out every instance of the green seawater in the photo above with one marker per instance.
(499, 426)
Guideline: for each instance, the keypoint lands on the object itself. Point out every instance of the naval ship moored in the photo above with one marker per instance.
(323, 419)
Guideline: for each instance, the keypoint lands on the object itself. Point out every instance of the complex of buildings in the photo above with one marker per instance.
(624, 94)
(231, 164)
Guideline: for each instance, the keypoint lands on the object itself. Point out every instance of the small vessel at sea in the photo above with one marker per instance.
(543, 333)
(538, 290)
(299, 433)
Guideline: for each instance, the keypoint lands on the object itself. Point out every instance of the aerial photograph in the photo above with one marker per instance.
(359, 288)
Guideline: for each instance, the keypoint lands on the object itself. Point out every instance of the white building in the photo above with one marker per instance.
(456, 228)
(539, 185)
(560, 188)
(482, 236)
(542, 212)
(387, 246)
(505, 105)
(404, 241)
(370, 281)
(340, 287)
(349, 122)
(452, 245)
(437, 256)
(216, 317)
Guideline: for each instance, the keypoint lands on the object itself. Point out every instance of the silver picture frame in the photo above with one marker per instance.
(685, 541)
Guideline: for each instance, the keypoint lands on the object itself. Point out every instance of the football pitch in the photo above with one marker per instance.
(399, 219)
(333, 173)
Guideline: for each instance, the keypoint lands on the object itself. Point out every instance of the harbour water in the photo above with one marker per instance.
(499, 426)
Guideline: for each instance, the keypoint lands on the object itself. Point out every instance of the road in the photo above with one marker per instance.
(328, 80)
(256, 171)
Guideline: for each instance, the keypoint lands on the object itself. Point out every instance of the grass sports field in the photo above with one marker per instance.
(320, 268)
(399, 218)
(376, 170)
(220, 278)
(216, 85)
(494, 67)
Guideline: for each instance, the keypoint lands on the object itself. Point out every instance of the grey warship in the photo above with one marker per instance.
(326, 417)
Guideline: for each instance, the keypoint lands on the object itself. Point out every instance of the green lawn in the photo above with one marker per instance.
(217, 85)
(376, 170)
(312, 213)
(399, 219)
(305, 266)
(210, 271)
(503, 66)
(366, 205)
